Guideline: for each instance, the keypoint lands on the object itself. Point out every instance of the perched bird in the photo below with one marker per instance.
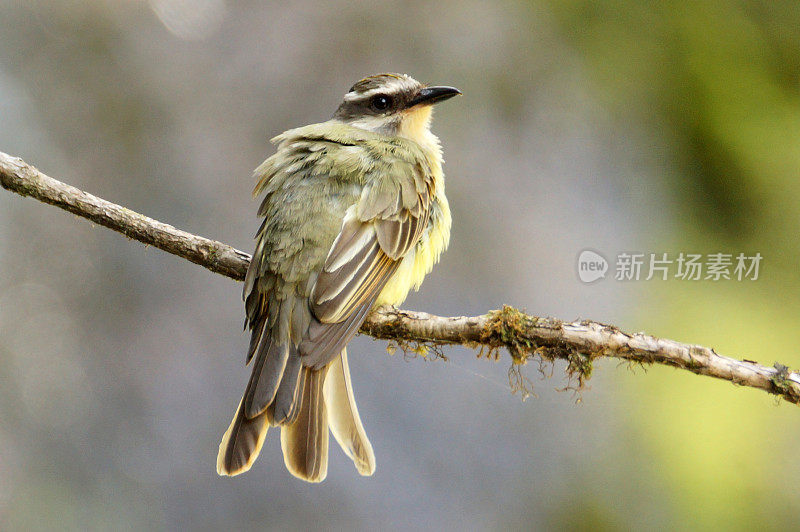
(355, 216)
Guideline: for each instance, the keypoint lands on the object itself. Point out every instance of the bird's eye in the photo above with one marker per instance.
(381, 102)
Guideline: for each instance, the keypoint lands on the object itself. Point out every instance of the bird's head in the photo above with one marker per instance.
(392, 104)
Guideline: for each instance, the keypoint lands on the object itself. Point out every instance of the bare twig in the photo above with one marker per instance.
(18, 176)
(524, 336)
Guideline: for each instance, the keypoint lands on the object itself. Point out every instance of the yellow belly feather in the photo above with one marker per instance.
(418, 263)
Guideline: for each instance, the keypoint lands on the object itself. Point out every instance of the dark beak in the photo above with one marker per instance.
(431, 95)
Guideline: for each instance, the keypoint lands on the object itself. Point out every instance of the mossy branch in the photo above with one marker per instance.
(525, 337)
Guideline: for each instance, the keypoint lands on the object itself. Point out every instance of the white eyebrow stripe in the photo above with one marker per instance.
(393, 87)
(351, 96)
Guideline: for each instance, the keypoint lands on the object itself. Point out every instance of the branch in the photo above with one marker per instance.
(525, 337)
(18, 176)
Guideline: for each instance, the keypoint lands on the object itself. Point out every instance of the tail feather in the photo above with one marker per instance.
(306, 404)
(285, 407)
(241, 443)
(343, 416)
(267, 374)
(305, 442)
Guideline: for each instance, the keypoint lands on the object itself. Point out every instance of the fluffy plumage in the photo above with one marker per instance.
(352, 217)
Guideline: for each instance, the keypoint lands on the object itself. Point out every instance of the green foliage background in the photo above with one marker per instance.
(717, 83)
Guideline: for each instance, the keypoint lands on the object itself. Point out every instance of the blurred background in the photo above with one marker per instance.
(612, 125)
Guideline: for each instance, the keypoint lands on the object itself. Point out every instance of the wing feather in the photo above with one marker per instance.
(375, 236)
(396, 236)
(326, 340)
(335, 287)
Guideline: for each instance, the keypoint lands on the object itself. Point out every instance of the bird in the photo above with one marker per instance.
(354, 217)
